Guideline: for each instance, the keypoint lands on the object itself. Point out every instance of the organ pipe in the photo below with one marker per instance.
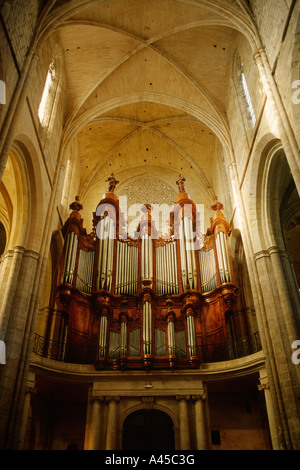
(85, 271)
(171, 338)
(70, 257)
(123, 349)
(146, 257)
(166, 269)
(223, 258)
(188, 263)
(106, 252)
(191, 335)
(208, 272)
(126, 269)
(102, 336)
(147, 330)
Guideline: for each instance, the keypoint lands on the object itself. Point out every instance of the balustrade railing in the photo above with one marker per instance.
(87, 354)
(231, 350)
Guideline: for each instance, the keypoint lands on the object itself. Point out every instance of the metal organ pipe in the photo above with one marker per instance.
(135, 250)
(146, 258)
(208, 272)
(99, 264)
(70, 258)
(150, 256)
(158, 270)
(191, 335)
(188, 262)
(106, 253)
(147, 334)
(223, 258)
(183, 254)
(102, 336)
(188, 251)
(110, 253)
(126, 268)
(171, 338)
(85, 271)
(123, 351)
(166, 269)
(174, 267)
(117, 282)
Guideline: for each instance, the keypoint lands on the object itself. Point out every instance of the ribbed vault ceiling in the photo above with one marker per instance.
(146, 89)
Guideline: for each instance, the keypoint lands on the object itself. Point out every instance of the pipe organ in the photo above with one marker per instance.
(145, 301)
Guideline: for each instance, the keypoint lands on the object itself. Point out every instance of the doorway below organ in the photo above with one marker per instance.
(148, 430)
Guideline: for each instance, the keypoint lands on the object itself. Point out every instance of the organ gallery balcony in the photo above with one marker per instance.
(87, 354)
(145, 300)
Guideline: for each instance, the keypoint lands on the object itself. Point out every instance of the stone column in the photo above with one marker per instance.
(184, 426)
(279, 317)
(288, 138)
(274, 431)
(15, 109)
(12, 261)
(30, 389)
(202, 421)
(95, 423)
(111, 433)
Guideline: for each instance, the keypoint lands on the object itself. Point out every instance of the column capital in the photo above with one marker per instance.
(263, 386)
(258, 53)
(111, 398)
(182, 397)
(31, 389)
(200, 396)
(94, 398)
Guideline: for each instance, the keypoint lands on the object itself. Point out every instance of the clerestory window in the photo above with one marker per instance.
(247, 97)
(48, 97)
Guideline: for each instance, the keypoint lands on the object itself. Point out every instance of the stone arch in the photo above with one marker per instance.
(243, 23)
(271, 186)
(50, 319)
(5, 210)
(21, 179)
(243, 315)
(295, 83)
(173, 416)
(3, 87)
(148, 412)
(91, 115)
(274, 187)
(263, 153)
(219, 128)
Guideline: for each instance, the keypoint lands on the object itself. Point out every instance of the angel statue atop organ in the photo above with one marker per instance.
(112, 182)
(180, 183)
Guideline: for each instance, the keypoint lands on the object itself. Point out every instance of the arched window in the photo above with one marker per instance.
(247, 96)
(2, 238)
(47, 103)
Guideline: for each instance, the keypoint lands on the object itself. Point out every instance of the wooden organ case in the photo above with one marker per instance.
(145, 302)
